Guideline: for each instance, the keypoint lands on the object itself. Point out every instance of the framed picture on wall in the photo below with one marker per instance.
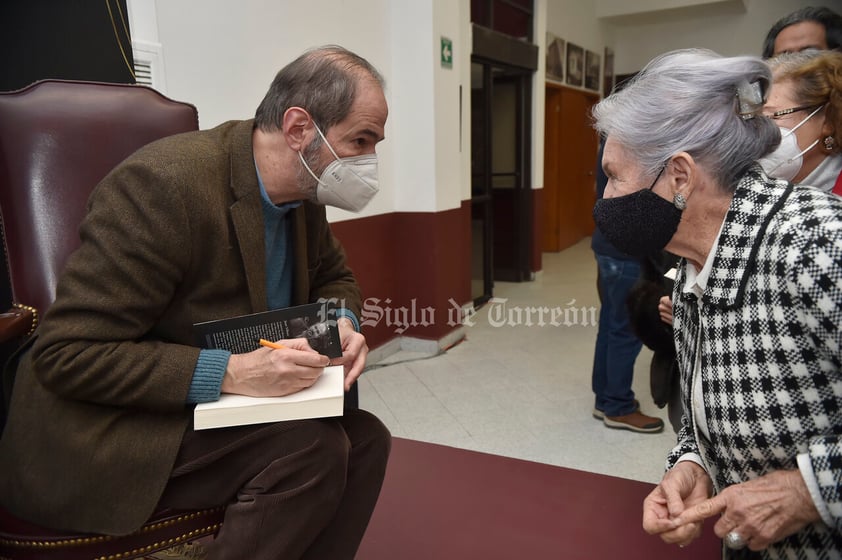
(555, 58)
(575, 64)
(593, 65)
(608, 72)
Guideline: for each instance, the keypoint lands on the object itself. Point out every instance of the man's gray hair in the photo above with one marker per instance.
(323, 81)
(687, 100)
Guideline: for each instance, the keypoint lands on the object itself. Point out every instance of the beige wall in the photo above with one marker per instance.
(729, 27)
(221, 55)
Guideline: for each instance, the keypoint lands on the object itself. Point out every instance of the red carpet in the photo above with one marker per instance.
(442, 503)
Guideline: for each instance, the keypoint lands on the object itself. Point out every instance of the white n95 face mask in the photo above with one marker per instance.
(785, 162)
(347, 183)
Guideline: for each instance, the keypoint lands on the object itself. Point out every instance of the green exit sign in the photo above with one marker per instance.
(446, 53)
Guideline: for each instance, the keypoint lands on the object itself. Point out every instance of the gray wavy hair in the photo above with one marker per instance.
(686, 100)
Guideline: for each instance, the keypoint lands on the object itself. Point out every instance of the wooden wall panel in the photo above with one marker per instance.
(570, 149)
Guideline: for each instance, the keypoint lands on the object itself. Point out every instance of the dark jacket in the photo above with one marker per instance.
(173, 236)
(647, 325)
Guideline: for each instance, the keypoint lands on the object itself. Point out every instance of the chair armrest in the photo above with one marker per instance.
(17, 322)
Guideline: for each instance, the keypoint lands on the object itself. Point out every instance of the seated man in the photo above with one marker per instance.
(196, 227)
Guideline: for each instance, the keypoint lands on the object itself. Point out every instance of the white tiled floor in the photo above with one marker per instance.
(521, 390)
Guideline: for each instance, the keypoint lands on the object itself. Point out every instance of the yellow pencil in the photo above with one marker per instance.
(270, 344)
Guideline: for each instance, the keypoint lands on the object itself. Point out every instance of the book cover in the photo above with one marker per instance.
(314, 321)
(322, 399)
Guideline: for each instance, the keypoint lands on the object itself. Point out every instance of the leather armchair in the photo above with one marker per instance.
(58, 138)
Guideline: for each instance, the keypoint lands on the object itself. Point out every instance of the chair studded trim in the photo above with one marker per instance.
(34, 313)
(165, 532)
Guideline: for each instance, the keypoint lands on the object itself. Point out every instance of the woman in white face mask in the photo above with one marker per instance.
(806, 102)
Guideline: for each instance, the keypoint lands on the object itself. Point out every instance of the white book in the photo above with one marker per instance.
(323, 399)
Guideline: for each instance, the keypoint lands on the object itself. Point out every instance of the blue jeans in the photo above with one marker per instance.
(616, 345)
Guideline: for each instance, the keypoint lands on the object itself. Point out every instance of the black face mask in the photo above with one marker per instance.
(638, 224)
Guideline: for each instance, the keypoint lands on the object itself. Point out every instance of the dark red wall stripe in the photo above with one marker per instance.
(411, 267)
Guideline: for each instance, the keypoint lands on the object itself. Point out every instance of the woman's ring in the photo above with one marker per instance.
(734, 541)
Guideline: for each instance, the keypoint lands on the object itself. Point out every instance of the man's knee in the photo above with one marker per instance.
(325, 460)
(311, 457)
(328, 449)
(369, 437)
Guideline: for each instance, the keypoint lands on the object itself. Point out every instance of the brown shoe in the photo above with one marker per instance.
(599, 414)
(636, 422)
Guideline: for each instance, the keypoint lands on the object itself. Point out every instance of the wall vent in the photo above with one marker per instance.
(143, 72)
(149, 65)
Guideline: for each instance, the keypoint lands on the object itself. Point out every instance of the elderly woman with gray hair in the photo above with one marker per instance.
(757, 306)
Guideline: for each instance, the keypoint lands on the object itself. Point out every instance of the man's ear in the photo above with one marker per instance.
(297, 128)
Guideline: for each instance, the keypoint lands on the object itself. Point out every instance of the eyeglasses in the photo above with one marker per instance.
(784, 112)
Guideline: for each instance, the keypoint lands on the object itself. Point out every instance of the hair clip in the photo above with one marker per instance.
(750, 96)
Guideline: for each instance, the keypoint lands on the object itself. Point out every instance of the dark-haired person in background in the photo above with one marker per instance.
(807, 28)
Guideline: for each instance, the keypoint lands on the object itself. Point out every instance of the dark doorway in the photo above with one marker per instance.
(64, 40)
(502, 64)
(500, 176)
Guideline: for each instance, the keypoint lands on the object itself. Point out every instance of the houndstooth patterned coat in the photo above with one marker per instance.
(771, 349)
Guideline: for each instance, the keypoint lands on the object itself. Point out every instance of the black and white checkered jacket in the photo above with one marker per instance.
(770, 328)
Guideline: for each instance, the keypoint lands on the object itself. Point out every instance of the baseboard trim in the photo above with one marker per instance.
(424, 347)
